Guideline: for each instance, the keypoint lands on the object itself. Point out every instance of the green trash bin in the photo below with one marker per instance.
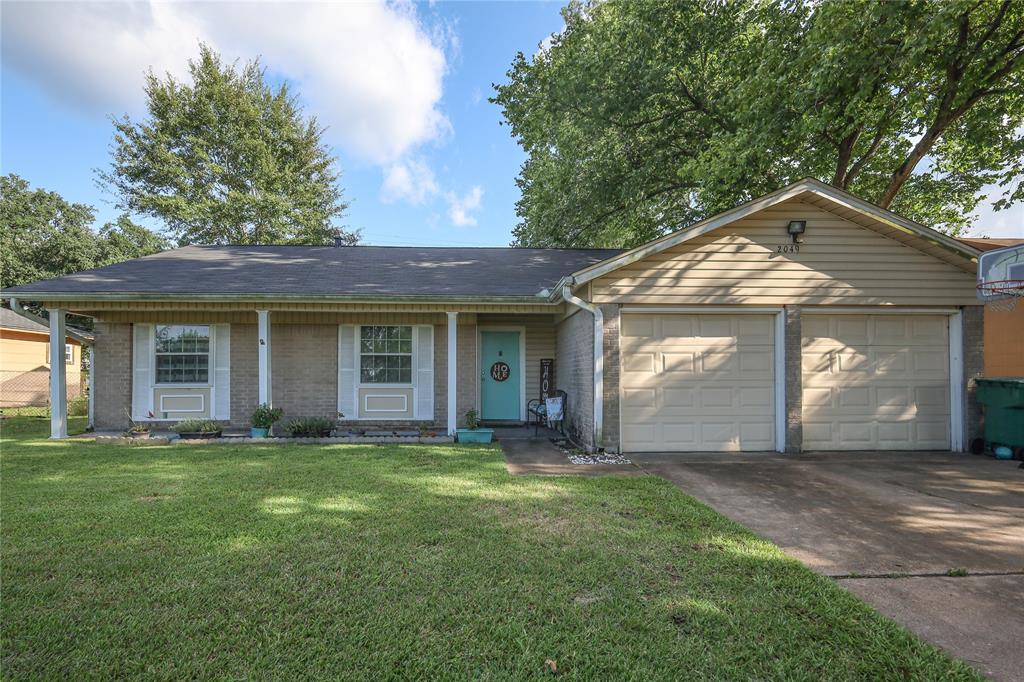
(1003, 399)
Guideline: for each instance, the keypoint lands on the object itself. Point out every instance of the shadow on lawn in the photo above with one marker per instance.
(419, 561)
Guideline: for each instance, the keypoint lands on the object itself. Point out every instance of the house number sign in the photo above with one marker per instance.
(500, 371)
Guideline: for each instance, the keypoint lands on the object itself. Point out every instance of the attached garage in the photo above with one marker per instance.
(698, 382)
(875, 382)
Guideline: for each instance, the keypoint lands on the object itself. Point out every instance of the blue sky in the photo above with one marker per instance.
(421, 164)
(401, 87)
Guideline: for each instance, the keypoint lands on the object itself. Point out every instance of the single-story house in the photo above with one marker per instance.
(1004, 327)
(806, 319)
(25, 360)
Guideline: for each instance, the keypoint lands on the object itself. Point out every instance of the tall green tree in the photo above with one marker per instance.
(226, 159)
(642, 117)
(45, 236)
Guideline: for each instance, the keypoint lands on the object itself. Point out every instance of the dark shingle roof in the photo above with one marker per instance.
(328, 271)
(12, 320)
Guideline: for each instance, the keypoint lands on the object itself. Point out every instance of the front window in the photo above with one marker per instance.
(385, 355)
(182, 354)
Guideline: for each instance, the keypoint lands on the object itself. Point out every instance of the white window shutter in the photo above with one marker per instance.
(347, 371)
(222, 371)
(143, 370)
(424, 363)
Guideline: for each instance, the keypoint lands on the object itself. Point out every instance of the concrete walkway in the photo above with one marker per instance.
(539, 457)
(912, 515)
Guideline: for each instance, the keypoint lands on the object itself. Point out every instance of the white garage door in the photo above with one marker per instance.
(697, 382)
(875, 382)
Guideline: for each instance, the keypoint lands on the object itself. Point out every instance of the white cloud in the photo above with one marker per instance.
(991, 223)
(372, 72)
(460, 208)
(410, 180)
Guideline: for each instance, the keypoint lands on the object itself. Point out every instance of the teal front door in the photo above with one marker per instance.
(500, 375)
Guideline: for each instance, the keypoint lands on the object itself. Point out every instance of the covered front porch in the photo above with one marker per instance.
(360, 365)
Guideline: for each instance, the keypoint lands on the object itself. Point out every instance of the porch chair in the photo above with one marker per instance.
(537, 409)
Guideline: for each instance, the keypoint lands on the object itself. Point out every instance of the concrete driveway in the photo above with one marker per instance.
(889, 527)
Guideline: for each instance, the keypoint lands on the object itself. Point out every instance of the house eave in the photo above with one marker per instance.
(274, 298)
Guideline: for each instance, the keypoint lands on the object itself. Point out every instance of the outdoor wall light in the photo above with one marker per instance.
(796, 230)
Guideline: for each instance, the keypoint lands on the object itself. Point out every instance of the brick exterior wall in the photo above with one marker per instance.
(466, 374)
(793, 340)
(304, 369)
(245, 390)
(112, 365)
(974, 366)
(610, 435)
(574, 371)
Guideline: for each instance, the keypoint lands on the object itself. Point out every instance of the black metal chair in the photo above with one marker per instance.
(537, 409)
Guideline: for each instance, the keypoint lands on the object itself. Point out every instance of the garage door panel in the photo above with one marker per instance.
(638, 362)
(684, 363)
(757, 397)
(639, 326)
(718, 363)
(875, 382)
(712, 384)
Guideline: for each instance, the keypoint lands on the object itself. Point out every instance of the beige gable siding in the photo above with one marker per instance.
(838, 263)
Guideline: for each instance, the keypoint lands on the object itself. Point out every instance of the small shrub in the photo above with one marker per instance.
(78, 407)
(957, 572)
(264, 416)
(472, 419)
(309, 427)
(196, 426)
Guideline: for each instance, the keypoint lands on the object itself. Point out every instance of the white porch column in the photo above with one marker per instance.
(263, 332)
(453, 333)
(58, 375)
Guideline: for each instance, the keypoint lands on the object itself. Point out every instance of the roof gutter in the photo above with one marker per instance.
(16, 307)
(264, 298)
(594, 310)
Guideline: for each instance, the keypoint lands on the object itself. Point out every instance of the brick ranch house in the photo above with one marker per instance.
(806, 319)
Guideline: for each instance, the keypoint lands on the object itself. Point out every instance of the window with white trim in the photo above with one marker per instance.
(385, 355)
(182, 354)
(69, 354)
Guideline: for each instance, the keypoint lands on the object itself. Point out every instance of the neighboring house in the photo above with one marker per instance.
(25, 361)
(803, 320)
(1004, 329)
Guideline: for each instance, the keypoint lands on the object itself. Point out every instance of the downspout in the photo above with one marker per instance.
(594, 310)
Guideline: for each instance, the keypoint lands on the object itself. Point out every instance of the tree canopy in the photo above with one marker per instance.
(46, 236)
(227, 159)
(643, 117)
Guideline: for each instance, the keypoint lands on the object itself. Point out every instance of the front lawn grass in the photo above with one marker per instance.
(400, 562)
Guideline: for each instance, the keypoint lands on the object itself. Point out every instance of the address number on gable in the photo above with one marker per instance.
(787, 248)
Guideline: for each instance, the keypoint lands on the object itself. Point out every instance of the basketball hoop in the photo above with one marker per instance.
(1001, 295)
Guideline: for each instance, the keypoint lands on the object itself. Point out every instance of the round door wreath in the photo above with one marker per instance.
(500, 371)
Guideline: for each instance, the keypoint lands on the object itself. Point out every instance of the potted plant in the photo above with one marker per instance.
(137, 431)
(197, 428)
(473, 433)
(263, 419)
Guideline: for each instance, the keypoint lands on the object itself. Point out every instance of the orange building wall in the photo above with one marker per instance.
(1004, 342)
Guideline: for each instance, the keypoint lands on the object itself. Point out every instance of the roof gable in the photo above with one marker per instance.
(816, 193)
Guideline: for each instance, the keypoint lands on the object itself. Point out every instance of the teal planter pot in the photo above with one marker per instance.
(255, 432)
(475, 435)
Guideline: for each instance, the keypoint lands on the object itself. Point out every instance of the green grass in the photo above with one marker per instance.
(400, 562)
